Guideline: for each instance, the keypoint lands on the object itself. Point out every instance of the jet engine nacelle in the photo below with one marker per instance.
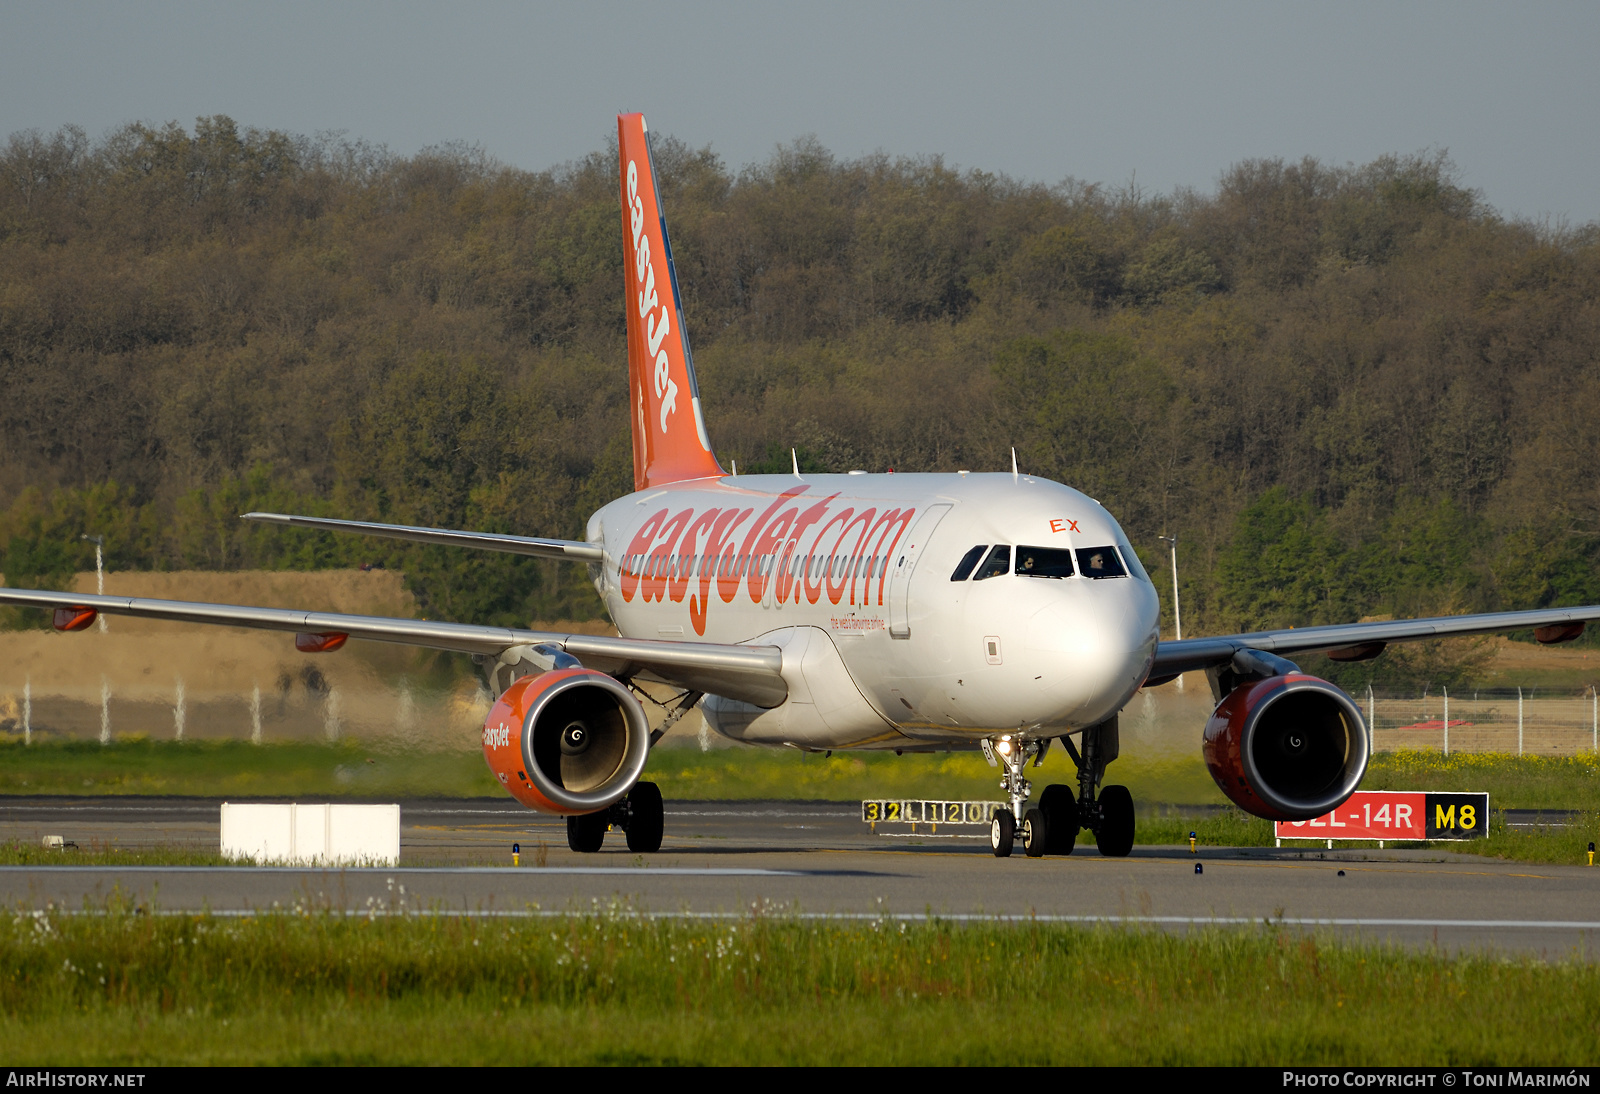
(569, 741)
(1288, 747)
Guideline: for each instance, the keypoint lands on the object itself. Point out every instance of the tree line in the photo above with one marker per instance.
(1350, 391)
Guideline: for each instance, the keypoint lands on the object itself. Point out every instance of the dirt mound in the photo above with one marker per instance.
(376, 592)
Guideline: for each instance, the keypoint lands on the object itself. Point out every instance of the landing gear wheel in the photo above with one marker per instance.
(1002, 830)
(1035, 833)
(1060, 811)
(1115, 836)
(586, 833)
(645, 822)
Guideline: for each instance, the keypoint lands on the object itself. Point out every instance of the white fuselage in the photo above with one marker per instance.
(852, 576)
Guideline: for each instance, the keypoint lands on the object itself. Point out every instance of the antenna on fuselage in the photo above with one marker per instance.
(1013, 463)
(796, 458)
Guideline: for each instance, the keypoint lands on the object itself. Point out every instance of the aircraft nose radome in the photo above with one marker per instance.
(1089, 653)
(1088, 631)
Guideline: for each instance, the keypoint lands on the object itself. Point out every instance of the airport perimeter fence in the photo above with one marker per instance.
(1536, 720)
(309, 710)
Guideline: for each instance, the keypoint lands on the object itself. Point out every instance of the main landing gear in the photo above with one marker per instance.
(639, 815)
(1052, 826)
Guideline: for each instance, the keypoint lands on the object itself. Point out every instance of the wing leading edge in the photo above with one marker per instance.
(751, 674)
(536, 546)
(1355, 639)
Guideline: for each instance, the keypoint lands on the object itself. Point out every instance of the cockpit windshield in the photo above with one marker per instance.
(1099, 562)
(998, 562)
(968, 561)
(1056, 562)
(1130, 558)
(1043, 562)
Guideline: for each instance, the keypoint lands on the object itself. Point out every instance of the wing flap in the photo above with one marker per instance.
(751, 674)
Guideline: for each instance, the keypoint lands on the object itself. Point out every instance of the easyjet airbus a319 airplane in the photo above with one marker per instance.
(913, 612)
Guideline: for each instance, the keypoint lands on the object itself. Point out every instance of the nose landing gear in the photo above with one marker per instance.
(1052, 826)
(1011, 755)
(1002, 831)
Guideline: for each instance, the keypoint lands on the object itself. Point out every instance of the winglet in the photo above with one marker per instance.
(669, 433)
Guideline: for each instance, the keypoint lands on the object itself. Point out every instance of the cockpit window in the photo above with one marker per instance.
(998, 562)
(1043, 562)
(1100, 562)
(1131, 557)
(968, 561)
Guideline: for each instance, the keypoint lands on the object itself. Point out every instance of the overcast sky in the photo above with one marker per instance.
(1172, 92)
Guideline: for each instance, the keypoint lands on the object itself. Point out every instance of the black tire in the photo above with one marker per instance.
(645, 821)
(587, 832)
(1115, 836)
(1060, 809)
(1002, 831)
(1035, 833)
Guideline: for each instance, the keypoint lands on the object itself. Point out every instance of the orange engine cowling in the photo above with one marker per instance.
(1288, 747)
(568, 741)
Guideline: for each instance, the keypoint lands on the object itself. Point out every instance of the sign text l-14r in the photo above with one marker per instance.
(1396, 815)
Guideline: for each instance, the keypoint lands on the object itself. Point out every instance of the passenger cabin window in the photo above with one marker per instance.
(968, 561)
(998, 562)
(1043, 562)
(1100, 562)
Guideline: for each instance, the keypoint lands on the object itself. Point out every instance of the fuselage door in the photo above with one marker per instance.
(904, 561)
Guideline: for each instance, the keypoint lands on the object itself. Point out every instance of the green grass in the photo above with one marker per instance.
(1224, 828)
(1548, 844)
(354, 770)
(1513, 782)
(120, 988)
(225, 769)
(18, 853)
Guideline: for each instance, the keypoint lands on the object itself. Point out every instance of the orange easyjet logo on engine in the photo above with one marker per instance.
(656, 324)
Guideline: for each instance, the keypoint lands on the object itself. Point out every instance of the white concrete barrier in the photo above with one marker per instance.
(312, 835)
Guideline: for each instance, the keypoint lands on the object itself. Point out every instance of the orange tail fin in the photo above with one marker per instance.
(669, 435)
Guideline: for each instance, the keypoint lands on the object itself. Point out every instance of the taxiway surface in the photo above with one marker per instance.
(816, 858)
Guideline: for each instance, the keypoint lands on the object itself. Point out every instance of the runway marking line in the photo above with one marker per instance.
(1374, 869)
(1400, 867)
(528, 871)
(1457, 873)
(476, 827)
(1015, 919)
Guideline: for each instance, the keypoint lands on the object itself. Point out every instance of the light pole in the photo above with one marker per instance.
(1177, 615)
(99, 570)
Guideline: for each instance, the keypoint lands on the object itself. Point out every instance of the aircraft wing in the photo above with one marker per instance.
(751, 674)
(1359, 641)
(537, 546)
